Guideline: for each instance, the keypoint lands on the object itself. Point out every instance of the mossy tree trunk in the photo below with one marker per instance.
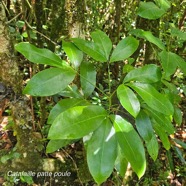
(11, 78)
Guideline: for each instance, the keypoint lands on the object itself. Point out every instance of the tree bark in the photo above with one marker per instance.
(11, 78)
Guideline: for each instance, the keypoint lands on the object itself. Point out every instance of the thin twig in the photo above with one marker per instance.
(75, 165)
(8, 22)
(40, 33)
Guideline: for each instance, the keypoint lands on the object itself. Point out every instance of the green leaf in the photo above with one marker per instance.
(147, 74)
(181, 143)
(163, 4)
(102, 152)
(124, 49)
(162, 134)
(180, 155)
(168, 63)
(128, 100)
(153, 98)
(127, 68)
(144, 127)
(90, 48)
(152, 39)
(38, 55)
(76, 122)
(74, 54)
(162, 120)
(50, 81)
(181, 63)
(153, 147)
(149, 10)
(149, 37)
(131, 144)
(54, 145)
(20, 24)
(87, 78)
(121, 163)
(71, 91)
(103, 41)
(169, 156)
(10, 155)
(177, 33)
(174, 58)
(171, 87)
(27, 179)
(177, 115)
(63, 105)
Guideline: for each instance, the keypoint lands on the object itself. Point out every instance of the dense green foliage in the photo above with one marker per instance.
(142, 93)
(109, 75)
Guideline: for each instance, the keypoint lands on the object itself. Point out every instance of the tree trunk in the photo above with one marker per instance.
(11, 79)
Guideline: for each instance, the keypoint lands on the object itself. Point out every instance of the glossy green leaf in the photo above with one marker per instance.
(124, 49)
(87, 78)
(177, 115)
(170, 61)
(147, 74)
(38, 55)
(50, 81)
(103, 41)
(149, 37)
(121, 163)
(128, 100)
(131, 144)
(144, 127)
(90, 48)
(163, 135)
(76, 122)
(74, 54)
(153, 98)
(149, 10)
(102, 152)
(63, 105)
(162, 120)
(54, 145)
